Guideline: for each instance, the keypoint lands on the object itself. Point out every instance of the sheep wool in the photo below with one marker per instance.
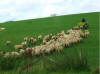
(2, 29)
(25, 39)
(8, 43)
(40, 37)
(22, 51)
(76, 27)
(86, 33)
(18, 46)
(14, 54)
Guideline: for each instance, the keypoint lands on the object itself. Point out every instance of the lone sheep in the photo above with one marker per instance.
(8, 43)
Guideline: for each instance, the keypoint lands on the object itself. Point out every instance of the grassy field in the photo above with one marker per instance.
(16, 31)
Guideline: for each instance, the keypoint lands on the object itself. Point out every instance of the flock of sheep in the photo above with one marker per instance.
(50, 43)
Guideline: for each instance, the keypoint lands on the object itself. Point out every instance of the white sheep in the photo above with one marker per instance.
(81, 27)
(40, 37)
(33, 51)
(22, 51)
(46, 38)
(86, 33)
(6, 55)
(24, 44)
(37, 51)
(14, 54)
(76, 27)
(18, 46)
(8, 43)
(26, 39)
(32, 40)
(2, 29)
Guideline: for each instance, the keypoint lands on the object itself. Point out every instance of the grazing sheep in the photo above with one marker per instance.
(86, 33)
(62, 32)
(11, 54)
(40, 37)
(2, 29)
(33, 51)
(81, 33)
(48, 50)
(76, 27)
(44, 42)
(28, 51)
(55, 44)
(8, 43)
(22, 51)
(46, 38)
(32, 40)
(81, 27)
(37, 51)
(51, 35)
(14, 54)
(6, 55)
(69, 31)
(67, 44)
(59, 48)
(18, 46)
(54, 37)
(26, 39)
(24, 44)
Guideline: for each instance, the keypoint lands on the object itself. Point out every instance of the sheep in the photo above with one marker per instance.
(76, 27)
(62, 32)
(40, 37)
(32, 40)
(50, 35)
(24, 44)
(8, 43)
(43, 48)
(2, 29)
(11, 54)
(26, 39)
(6, 55)
(28, 52)
(37, 51)
(33, 51)
(66, 44)
(22, 51)
(81, 27)
(86, 33)
(59, 48)
(48, 50)
(69, 31)
(44, 42)
(81, 33)
(55, 44)
(14, 54)
(54, 37)
(18, 46)
(46, 38)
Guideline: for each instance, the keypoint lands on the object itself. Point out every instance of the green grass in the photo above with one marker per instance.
(16, 31)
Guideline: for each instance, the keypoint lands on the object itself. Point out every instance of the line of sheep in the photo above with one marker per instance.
(50, 43)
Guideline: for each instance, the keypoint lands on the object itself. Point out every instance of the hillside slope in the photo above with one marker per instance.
(16, 31)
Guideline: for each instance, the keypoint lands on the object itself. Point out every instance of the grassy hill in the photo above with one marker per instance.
(16, 31)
